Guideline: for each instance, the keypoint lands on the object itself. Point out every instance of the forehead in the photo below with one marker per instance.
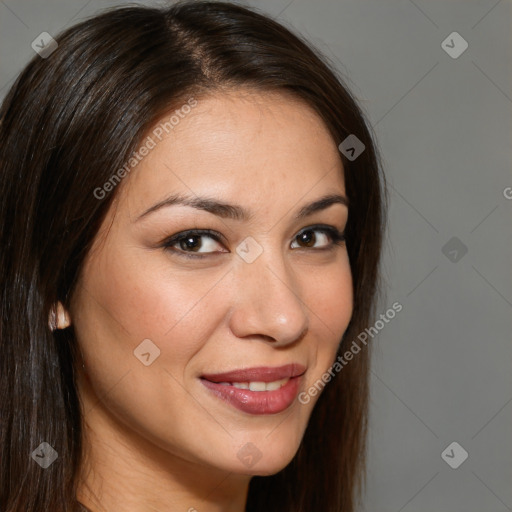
(253, 146)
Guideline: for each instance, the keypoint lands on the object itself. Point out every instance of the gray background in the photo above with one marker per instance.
(442, 366)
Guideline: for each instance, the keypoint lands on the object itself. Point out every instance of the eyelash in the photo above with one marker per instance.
(337, 237)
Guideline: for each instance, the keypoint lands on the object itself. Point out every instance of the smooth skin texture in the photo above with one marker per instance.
(156, 439)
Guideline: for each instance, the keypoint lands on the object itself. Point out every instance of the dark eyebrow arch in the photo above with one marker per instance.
(235, 212)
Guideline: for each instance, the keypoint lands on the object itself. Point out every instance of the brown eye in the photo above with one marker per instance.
(191, 242)
(194, 243)
(307, 238)
(325, 237)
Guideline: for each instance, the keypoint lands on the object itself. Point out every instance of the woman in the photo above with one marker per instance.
(192, 212)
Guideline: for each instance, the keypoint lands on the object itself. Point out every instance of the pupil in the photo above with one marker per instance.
(188, 243)
(308, 238)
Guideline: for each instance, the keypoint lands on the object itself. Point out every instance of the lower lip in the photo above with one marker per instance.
(257, 402)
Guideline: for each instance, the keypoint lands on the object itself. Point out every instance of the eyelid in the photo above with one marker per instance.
(172, 240)
(337, 237)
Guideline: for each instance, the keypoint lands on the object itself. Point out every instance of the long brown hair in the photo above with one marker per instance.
(68, 123)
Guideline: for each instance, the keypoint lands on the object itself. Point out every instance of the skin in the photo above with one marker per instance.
(155, 438)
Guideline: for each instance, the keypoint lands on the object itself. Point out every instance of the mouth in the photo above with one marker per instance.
(261, 390)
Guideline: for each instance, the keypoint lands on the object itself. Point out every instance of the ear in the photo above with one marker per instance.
(59, 317)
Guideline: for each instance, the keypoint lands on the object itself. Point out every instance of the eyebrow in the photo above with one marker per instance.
(236, 212)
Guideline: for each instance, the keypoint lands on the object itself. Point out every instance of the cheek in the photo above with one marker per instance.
(329, 298)
(328, 295)
(127, 302)
(127, 298)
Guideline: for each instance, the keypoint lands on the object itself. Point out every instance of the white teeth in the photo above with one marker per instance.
(241, 385)
(261, 386)
(257, 386)
(276, 384)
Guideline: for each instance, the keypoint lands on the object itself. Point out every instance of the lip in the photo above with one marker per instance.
(257, 402)
(258, 374)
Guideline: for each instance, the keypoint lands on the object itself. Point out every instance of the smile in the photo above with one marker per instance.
(258, 386)
(261, 390)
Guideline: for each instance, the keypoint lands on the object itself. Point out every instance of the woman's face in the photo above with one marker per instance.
(154, 314)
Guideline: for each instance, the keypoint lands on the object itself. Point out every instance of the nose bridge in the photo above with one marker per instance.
(268, 300)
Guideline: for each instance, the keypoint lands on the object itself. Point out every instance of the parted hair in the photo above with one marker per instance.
(68, 122)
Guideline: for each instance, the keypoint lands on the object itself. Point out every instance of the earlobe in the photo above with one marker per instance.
(59, 317)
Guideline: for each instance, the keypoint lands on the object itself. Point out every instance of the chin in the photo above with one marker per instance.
(272, 465)
(264, 459)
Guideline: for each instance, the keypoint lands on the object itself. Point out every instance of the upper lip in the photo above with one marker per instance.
(258, 374)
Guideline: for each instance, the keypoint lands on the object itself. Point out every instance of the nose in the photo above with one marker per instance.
(267, 301)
